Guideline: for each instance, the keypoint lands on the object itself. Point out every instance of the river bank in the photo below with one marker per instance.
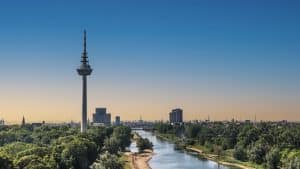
(140, 160)
(214, 157)
(223, 160)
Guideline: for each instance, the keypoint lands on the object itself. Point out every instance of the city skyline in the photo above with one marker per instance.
(226, 60)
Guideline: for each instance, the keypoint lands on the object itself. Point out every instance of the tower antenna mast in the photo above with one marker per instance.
(84, 70)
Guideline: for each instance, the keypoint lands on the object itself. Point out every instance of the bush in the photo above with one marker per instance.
(257, 153)
(5, 163)
(107, 161)
(189, 142)
(30, 161)
(112, 145)
(143, 143)
(293, 163)
(273, 158)
(240, 154)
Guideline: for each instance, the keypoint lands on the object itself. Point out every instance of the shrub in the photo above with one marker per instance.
(273, 158)
(240, 154)
(143, 143)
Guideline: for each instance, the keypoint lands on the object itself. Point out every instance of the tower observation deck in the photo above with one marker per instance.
(84, 70)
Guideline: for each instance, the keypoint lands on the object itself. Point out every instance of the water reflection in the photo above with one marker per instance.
(166, 157)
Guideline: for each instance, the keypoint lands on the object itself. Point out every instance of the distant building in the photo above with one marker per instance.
(118, 120)
(108, 118)
(2, 122)
(73, 124)
(248, 121)
(175, 116)
(37, 124)
(100, 116)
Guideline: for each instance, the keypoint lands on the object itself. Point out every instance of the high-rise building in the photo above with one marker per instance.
(84, 70)
(101, 116)
(175, 116)
(2, 122)
(118, 120)
(108, 119)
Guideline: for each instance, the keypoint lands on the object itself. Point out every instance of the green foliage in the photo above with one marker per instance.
(123, 134)
(76, 152)
(248, 135)
(257, 153)
(239, 153)
(7, 137)
(39, 151)
(290, 158)
(273, 158)
(246, 141)
(57, 147)
(191, 131)
(112, 145)
(29, 161)
(163, 128)
(5, 162)
(107, 161)
(143, 143)
(189, 142)
(97, 135)
(293, 163)
(12, 149)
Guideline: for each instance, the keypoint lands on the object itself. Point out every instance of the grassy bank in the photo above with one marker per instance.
(225, 158)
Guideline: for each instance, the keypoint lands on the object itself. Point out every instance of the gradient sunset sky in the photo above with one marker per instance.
(219, 58)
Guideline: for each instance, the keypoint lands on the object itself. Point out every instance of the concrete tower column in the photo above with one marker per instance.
(84, 70)
(84, 105)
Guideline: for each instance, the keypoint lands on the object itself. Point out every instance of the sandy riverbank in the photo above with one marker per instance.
(140, 160)
(213, 158)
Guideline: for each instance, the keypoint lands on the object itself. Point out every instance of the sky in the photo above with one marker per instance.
(223, 59)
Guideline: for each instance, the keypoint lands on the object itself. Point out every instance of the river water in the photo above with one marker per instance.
(166, 157)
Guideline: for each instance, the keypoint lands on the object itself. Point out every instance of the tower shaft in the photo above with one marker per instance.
(84, 70)
(84, 105)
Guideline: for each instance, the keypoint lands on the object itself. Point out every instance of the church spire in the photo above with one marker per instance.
(23, 121)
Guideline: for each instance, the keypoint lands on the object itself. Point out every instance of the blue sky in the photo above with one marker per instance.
(164, 52)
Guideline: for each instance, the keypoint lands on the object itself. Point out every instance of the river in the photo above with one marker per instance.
(166, 157)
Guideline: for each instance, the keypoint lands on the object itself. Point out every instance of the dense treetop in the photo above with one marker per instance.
(60, 147)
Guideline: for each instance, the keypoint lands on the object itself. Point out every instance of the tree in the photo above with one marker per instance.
(5, 163)
(218, 150)
(191, 131)
(293, 163)
(74, 152)
(248, 136)
(97, 135)
(257, 153)
(143, 143)
(30, 161)
(74, 156)
(123, 134)
(39, 151)
(112, 145)
(273, 158)
(11, 150)
(107, 161)
(239, 153)
(7, 137)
